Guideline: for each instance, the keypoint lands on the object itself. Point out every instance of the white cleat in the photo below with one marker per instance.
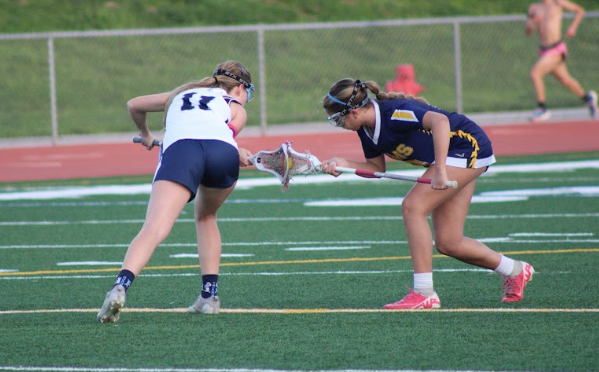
(113, 303)
(210, 305)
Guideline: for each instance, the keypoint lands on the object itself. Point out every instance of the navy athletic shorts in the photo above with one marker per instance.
(192, 162)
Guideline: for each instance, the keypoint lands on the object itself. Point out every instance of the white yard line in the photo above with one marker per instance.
(244, 184)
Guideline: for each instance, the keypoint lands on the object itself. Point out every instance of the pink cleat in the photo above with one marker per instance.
(415, 300)
(513, 289)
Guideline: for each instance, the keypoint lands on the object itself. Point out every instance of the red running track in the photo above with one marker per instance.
(128, 159)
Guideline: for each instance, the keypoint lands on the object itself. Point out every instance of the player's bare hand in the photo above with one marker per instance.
(149, 141)
(244, 157)
(439, 181)
(529, 30)
(328, 166)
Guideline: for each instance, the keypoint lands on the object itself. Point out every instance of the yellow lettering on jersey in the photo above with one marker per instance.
(401, 152)
(406, 115)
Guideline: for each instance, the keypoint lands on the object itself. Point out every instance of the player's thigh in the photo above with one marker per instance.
(221, 171)
(210, 199)
(167, 200)
(449, 218)
(561, 72)
(546, 64)
(423, 199)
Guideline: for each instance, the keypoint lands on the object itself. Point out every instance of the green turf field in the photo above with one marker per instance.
(304, 277)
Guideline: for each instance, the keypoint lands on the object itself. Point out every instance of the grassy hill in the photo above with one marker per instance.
(95, 75)
(61, 15)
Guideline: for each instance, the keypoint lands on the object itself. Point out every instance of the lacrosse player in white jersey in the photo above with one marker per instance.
(200, 160)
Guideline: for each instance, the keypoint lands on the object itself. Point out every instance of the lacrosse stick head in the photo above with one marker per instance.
(285, 162)
(275, 162)
(302, 163)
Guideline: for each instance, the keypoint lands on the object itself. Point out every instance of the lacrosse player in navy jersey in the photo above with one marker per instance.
(451, 147)
(200, 160)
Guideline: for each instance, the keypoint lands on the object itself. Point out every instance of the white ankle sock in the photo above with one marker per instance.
(423, 283)
(508, 266)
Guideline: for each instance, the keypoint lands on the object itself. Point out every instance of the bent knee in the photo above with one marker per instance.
(535, 74)
(206, 217)
(410, 208)
(448, 245)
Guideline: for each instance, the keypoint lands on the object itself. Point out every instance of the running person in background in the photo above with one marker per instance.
(546, 18)
(199, 157)
(452, 147)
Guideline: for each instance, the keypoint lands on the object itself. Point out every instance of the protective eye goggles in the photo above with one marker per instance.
(249, 87)
(250, 90)
(337, 119)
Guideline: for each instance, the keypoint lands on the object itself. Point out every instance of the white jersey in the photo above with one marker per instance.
(199, 113)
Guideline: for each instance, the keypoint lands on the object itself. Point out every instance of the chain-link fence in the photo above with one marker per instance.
(65, 83)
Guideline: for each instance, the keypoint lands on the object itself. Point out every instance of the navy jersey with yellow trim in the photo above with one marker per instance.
(399, 134)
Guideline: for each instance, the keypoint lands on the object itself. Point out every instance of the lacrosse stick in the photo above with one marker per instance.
(277, 162)
(285, 162)
(137, 139)
(371, 174)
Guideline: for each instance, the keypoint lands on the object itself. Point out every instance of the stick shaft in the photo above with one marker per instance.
(371, 174)
(137, 139)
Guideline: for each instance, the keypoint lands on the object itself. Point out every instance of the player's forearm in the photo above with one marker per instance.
(577, 10)
(373, 164)
(441, 135)
(576, 22)
(139, 118)
(366, 165)
(530, 27)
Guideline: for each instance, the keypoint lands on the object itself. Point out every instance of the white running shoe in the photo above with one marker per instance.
(592, 103)
(113, 303)
(210, 305)
(540, 115)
